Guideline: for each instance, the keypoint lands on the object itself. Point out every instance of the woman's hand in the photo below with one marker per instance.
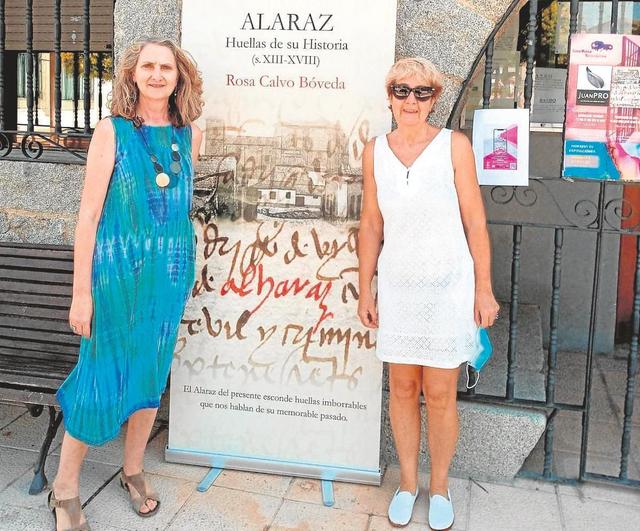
(367, 311)
(80, 315)
(485, 309)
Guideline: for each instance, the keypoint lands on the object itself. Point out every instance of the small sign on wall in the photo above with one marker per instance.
(501, 146)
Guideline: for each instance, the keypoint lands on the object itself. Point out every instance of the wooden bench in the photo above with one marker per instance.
(37, 348)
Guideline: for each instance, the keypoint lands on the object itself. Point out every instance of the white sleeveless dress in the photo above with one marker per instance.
(426, 281)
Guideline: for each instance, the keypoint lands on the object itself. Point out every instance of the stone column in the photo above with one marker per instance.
(138, 19)
(450, 34)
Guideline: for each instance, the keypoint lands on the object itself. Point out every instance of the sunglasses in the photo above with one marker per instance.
(421, 93)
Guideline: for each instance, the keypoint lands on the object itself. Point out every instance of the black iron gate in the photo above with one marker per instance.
(607, 213)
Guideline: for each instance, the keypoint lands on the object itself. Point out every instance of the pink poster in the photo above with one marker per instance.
(602, 139)
(501, 146)
(501, 150)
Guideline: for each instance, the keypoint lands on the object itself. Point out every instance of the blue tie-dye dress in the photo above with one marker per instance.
(143, 270)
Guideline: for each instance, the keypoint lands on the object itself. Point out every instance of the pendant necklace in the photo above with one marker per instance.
(162, 178)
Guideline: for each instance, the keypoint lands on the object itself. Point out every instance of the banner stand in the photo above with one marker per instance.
(217, 462)
(273, 371)
(208, 479)
(327, 493)
(328, 498)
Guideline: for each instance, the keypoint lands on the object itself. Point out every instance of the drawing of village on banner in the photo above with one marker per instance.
(302, 171)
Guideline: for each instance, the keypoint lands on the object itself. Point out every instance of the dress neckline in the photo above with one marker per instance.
(424, 149)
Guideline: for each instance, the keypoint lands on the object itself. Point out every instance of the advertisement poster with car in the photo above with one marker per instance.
(602, 139)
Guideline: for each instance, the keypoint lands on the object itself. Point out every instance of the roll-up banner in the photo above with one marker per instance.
(273, 372)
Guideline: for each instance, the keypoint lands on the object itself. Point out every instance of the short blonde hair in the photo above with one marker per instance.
(415, 66)
(184, 107)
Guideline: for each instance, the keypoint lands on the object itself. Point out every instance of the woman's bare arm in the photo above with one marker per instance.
(196, 140)
(100, 163)
(369, 240)
(475, 227)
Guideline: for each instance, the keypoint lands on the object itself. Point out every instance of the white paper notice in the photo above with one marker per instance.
(501, 146)
(547, 104)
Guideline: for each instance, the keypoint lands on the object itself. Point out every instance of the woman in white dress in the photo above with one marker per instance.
(421, 197)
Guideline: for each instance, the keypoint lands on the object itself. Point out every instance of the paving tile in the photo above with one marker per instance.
(14, 463)
(226, 509)
(380, 523)
(28, 432)
(97, 526)
(528, 484)
(10, 412)
(567, 464)
(459, 488)
(294, 515)
(611, 493)
(154, 462)
(586, 513)
(500, 507)
(368, 499)
(269, 484)
(21, 519)
(111, 506)
(93, 476)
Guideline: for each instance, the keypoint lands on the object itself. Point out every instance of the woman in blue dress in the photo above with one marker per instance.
(133, 268)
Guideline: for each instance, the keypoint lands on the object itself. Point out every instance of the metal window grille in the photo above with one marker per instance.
(55, 68)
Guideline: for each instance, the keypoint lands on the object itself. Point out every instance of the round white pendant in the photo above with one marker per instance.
(162, 180)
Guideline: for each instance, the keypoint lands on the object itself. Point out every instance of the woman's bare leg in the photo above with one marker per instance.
(404, 411)
(135, 443)
(440, 390)
(66, 485)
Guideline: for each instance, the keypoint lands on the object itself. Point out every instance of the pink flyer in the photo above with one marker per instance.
(501, 146)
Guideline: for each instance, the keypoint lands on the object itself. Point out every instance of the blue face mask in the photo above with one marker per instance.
(477, 362)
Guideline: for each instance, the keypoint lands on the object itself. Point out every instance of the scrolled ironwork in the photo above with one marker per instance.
(526, 197)
(503, 195)
(6, 146)
(581, 214)
(31, 147)
(586, 210)
(620, 211)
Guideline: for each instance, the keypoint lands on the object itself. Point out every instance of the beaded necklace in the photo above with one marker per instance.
(162, 178)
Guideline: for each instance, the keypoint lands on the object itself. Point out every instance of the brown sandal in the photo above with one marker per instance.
(73, 508)
(139, 499)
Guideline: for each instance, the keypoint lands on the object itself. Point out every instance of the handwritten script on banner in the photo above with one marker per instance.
(263, 278)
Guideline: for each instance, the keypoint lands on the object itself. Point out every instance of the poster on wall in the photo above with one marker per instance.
(602, 139)
(273, 371)
(501, 146)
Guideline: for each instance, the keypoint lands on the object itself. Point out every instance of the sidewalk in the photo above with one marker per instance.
(244, 501)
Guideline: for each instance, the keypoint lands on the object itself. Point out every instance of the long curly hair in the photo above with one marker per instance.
(185, 104)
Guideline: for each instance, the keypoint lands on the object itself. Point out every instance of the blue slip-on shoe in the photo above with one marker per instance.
(440, 512)
(401, 507)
